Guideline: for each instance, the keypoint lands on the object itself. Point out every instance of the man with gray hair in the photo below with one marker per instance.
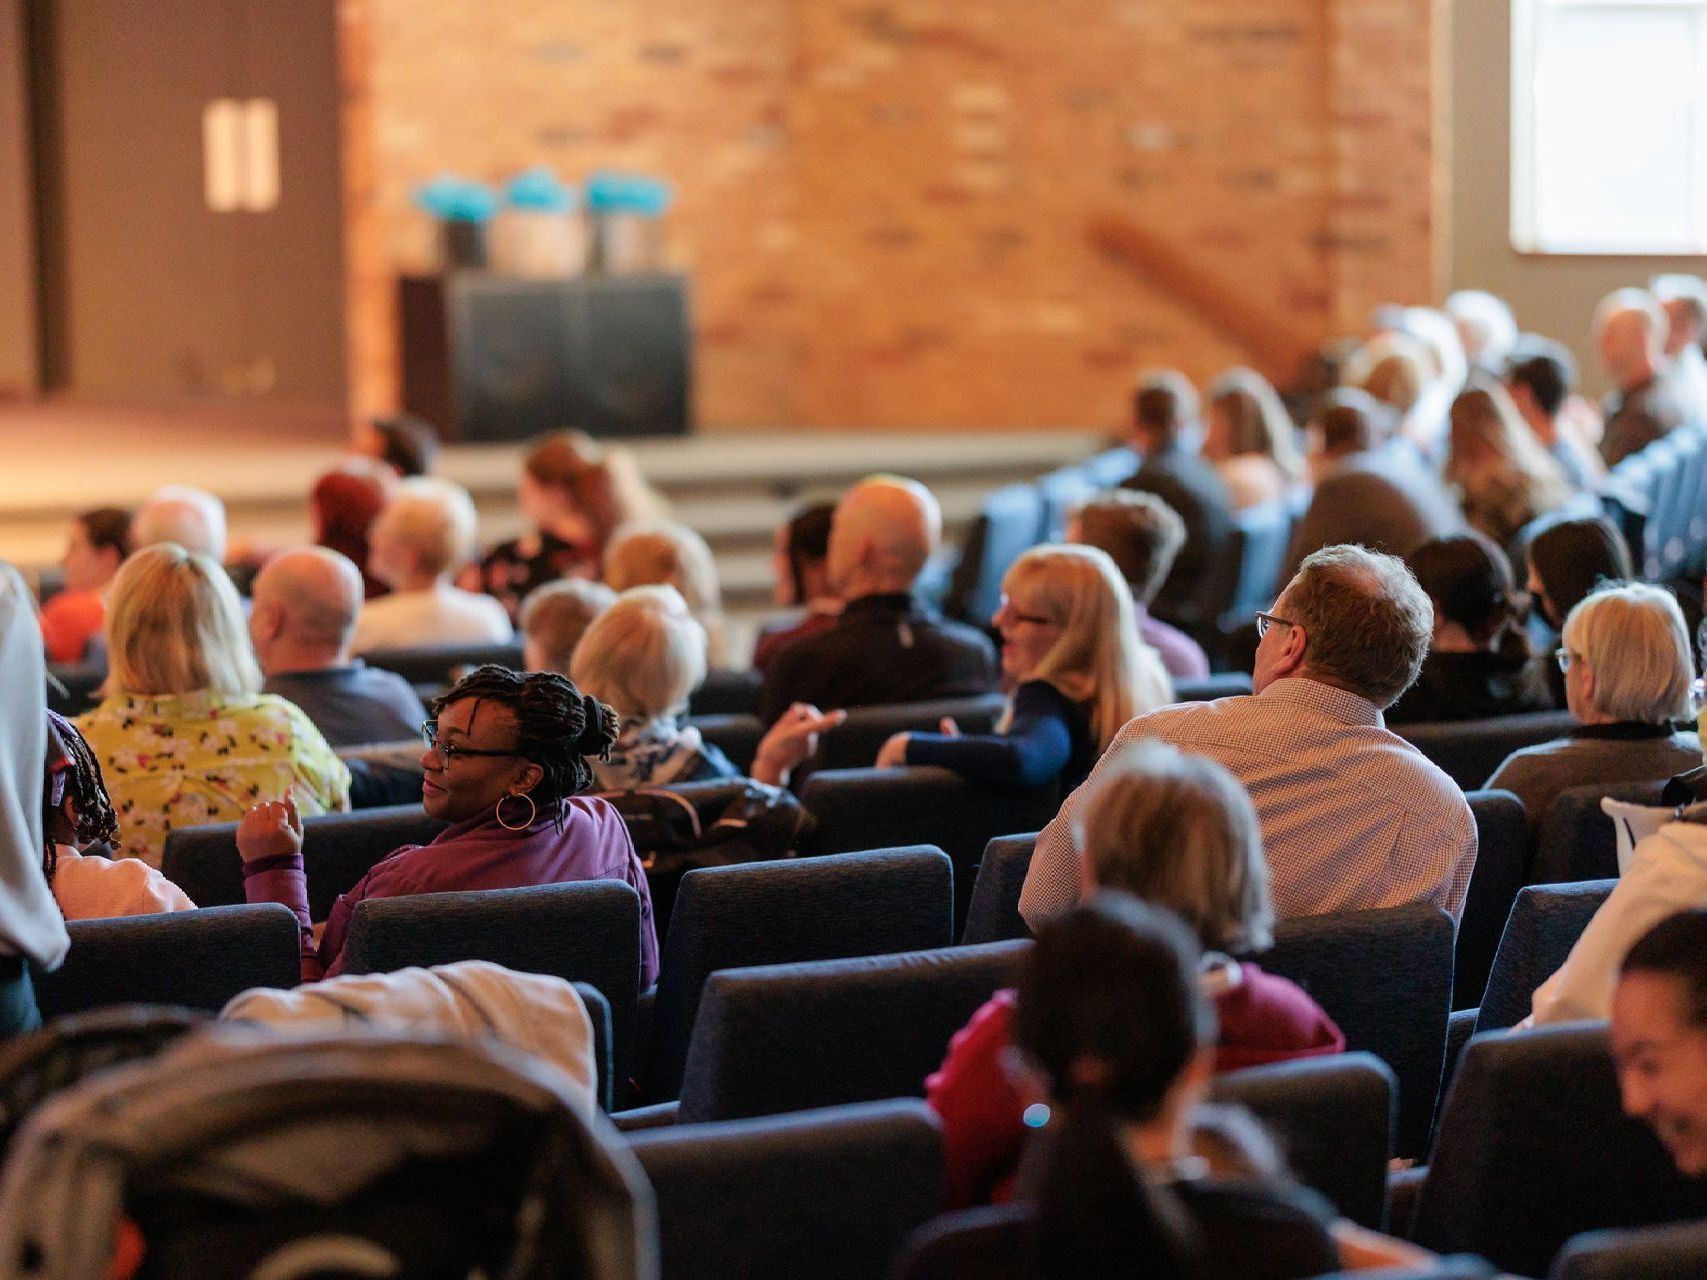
(1646, 400)
(192, 518)
(1353, 817)
(306, 603)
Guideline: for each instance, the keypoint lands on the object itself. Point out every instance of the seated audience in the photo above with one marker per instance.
(95, 547)
(1251, 441)
(555, 617)
(1164, 420)
(1178, 832)
(668, 554)
(1541, 378)
(303, 621)
(405, 443)
(192, 518)
(1478, 663)
(77, 814)
(1075, 670)
(801, 561)
(184, 735)
(343, 505)
(1142, 535)
(425, 532)
(32, 930)
(568, 499)
(1499, 472)
(1628, 668)
(643, 657)
(1353, 816)
(887, 646)
(1486, 328)
(1684, 300)
(1659, 1036)
(497, 738)
(1383, 498)
(1116, 1035)
(1647, 399)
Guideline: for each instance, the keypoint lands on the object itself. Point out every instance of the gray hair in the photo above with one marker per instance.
(1366, 621)
(1179, 832)
(1634, 640)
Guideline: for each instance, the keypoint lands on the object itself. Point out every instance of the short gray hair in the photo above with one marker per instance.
(1633, 637)
(1367, 623)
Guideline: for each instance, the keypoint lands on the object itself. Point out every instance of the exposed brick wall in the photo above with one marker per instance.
(885, 206)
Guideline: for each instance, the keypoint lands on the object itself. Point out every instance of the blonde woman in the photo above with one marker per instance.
(1076, 670)
(1501, 473)
(644, 656)
(1249, 438)
(184, 735)
(555, 617)
(666, 553)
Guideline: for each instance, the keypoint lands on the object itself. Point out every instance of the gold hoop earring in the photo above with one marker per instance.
(533, 811)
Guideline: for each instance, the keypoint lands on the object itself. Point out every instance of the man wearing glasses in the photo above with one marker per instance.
(1353, 817)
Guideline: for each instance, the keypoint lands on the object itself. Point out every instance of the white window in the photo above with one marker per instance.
(1609, 126)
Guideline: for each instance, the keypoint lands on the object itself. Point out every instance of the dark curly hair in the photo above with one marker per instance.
(73, 773)
(557, 726)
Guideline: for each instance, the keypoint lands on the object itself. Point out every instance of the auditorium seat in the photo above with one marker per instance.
(1534, 1147)
(1546, 921)
(1577, 840)
(794, 1036)
(993, 915)
(1502, 854)
(726, 693)
(338, 849)
(735, 735)
(1221, 684)
(822, 1195)
(1470, 750)
(440, 664)
(586, 931)
(1647, 1253)
(1260, 537)
(196, 959)
(1386, 978)
(855, 743)
(1009, 523)
(72, 686)
(761, 913)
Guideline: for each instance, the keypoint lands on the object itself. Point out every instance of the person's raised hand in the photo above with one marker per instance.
(948, 728)
(790, 740)
(893, 754)
(270, 829)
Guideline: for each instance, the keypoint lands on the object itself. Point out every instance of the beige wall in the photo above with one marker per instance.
(17, 254)
(1552, 294)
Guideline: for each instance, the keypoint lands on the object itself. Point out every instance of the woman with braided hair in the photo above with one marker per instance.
(77, 813)
(505, 764)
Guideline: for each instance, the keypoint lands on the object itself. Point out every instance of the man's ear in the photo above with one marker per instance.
(1292, 649)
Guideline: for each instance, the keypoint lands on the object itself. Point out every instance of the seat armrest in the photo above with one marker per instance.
(660, 1115)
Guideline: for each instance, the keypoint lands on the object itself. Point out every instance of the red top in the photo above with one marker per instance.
(69, 621)
(1263, 1019)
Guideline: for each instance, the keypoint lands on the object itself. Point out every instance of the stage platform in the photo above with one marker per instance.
(733, 486)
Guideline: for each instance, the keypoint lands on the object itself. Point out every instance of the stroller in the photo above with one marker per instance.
(241, 1152)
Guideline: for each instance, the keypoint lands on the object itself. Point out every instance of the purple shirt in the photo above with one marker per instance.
(1181, 655)
(474, 854)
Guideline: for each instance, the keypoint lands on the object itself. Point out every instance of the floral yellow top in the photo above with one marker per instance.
(183, 760)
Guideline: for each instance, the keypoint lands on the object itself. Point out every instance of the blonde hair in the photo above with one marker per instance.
(1633, 637)
(433, 518)
(1392, 367)
(644, 655)
(1098, 658)
(1505, 475)
(667, 553)
(175, 625)
(556, 616)
(1179, 831)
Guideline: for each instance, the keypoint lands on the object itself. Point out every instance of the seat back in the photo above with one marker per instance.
(338, 849)
(1470, 750)
(735, 735)
(993, 915)
(852, 904)
(1222, 684)
(1261, 534)
(438, 664)
(1009, 523)
(726, 693)
(1545, 923)
(598, 1013)
(72, 686)
(1534, 1147)
(585, 931)
(1577, 840)
(1650, 1253)
(789, 1037)
(1386, 978)
(1062, 491)
(823, 1195)
(1502, 848)
(855, 743)
(196, 959)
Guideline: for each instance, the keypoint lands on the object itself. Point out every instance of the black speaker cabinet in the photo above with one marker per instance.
(489, 358)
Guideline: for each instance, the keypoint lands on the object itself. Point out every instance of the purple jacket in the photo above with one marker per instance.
(475, 854)
(1182, 656)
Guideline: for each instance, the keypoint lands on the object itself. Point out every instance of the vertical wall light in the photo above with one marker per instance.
(240, 155)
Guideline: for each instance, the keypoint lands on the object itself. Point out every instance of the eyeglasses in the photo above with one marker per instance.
(1267, 620)
(1563, 657)
(449, 751)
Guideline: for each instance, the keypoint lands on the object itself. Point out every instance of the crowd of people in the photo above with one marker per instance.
(1447, 460)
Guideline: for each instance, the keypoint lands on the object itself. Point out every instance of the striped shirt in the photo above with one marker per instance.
(1352, 815)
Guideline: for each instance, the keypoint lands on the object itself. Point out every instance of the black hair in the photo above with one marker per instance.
(1165, 403)
(808, 539)
(1573, 557)
(1352, 420)
(84, 786)
(1112, 984)
(1676, 947)
(107, 528)
(1469, 580)
(557, 726)
(1545, 367)
(409, 444)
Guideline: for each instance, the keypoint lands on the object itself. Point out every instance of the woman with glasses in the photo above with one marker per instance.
(505, 764)
(1627, 666)
(1075, 668)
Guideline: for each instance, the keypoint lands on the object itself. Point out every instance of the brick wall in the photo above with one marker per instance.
(887, 206)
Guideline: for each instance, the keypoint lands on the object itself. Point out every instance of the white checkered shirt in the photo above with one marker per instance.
(1352, 815)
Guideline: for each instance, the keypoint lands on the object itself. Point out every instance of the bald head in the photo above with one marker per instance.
(884, 531)
(1630, 334)
(192, 518)
(306, 602)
